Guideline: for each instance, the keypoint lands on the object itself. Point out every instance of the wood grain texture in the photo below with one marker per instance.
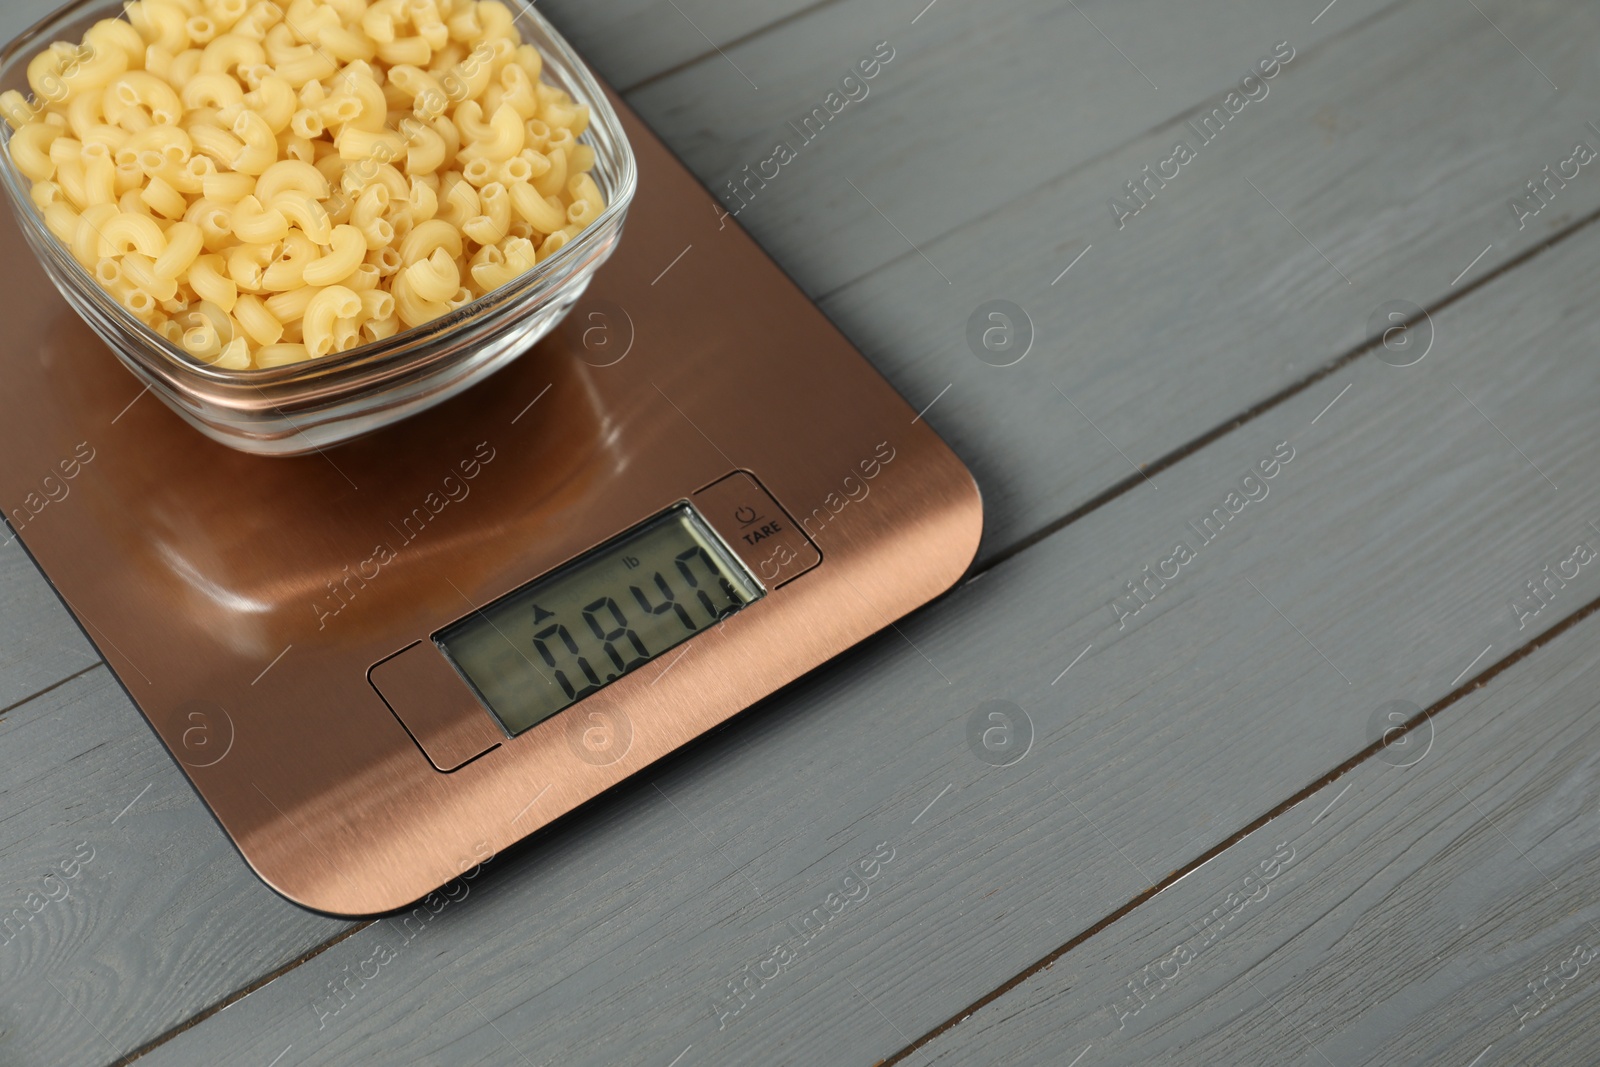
(631, 41)
(1379, 563)
(1165, 329)
(39, 643)
(157, 915)
(979, 105)
(1424, 908)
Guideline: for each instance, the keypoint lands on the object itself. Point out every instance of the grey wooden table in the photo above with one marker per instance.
(1216, 848)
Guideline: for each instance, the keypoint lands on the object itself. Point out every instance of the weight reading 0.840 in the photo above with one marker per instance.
(566, 635)
(606, 622)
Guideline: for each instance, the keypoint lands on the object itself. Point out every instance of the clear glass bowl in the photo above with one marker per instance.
(302, 407)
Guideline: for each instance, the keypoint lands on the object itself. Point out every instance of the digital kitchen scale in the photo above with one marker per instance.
(382, 664)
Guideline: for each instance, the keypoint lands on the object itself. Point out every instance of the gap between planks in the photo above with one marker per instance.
(239, 994)
(8, 709)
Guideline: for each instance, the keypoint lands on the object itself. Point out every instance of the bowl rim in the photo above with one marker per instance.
(381, 355)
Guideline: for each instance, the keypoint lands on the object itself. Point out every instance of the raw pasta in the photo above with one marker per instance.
(263, 183)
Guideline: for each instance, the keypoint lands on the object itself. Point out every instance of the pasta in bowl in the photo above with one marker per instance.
(300, 220)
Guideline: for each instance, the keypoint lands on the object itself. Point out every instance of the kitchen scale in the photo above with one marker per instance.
(382, 664)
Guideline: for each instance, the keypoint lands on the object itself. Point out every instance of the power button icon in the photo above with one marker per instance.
(754, 525)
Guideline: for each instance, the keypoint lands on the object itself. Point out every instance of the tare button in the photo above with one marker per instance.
(766, 538)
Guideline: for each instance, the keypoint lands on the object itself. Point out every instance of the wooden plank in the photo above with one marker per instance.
(632, 41)
(116, 887)
(1205, 303)
(614, 938)
(948, 129)
(983, 103)
(39, 643)
(1424, 908)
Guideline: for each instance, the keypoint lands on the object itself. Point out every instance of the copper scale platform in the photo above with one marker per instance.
(211, 580)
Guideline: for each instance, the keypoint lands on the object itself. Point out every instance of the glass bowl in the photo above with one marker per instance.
(303, 407)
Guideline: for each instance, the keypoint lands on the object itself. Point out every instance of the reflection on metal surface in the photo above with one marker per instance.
(189, 534)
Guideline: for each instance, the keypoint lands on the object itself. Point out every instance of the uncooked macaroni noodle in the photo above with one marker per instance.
(265, 183)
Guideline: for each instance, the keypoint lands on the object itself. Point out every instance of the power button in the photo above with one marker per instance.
(769, 542)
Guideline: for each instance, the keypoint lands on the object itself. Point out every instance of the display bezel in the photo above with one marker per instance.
(726, 557)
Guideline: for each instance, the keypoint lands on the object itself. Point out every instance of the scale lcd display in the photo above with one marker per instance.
(571, 633)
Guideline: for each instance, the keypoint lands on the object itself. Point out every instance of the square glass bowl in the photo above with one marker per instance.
(306, 406)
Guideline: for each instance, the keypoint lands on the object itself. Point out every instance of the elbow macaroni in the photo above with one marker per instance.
(263, 183)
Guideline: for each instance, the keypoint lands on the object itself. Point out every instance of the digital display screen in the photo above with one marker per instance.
(562, 637)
